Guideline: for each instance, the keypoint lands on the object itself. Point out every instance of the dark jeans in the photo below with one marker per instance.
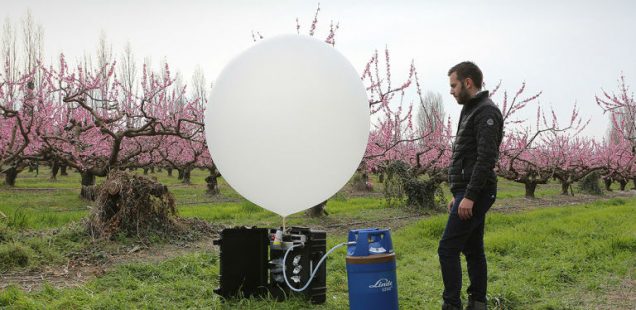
(465, 237)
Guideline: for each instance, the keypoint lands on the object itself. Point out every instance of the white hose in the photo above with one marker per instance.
(313, 274)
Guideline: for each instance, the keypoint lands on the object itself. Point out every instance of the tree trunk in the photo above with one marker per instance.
(623, 183)
(381, 178)
(146, 171)
(608, 182)
(317, 210)
(212, 184)
(530, 188)
(169, 171)
(180, 175)
(634, 181)
(186, 176)
(152, 169)
(34, 167)
(88, 186)
(55, 168)
(361, 183)
(63, 170)
(10, 175)
(566, 188)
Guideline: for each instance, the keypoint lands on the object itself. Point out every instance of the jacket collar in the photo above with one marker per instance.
(478, 97)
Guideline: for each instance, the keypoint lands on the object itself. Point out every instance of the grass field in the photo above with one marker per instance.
(573, 256)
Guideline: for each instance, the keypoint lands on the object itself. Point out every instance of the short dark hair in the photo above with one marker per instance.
(468, 69)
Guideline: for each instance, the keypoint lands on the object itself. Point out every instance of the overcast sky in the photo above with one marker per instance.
(568, 49)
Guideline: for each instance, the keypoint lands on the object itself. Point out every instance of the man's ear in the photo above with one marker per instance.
(468, 82)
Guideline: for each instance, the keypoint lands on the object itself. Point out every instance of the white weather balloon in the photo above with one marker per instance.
(288, 123)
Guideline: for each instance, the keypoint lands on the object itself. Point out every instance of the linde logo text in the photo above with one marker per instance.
(384, 284)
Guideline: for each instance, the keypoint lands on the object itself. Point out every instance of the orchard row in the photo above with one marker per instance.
(92, 121)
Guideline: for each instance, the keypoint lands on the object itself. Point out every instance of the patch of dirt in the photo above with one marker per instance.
(614, 297)
(351, 193)
(622, 297)
(211, 199)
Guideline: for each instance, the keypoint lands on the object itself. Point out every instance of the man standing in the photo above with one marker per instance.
(473, 183)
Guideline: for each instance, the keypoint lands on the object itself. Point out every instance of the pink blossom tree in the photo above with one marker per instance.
(564, 155)
(522, 154)
(393, 127)
(105, 125)
(183, 155)
(24, 112)
(621, 107)
(424, 149)
(520, 162)
(571, 159)
(617, 161)
(21, 96)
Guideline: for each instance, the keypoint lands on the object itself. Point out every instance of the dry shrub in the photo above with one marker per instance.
(133, 205)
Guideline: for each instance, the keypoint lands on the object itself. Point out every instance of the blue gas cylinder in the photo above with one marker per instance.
(371, 270)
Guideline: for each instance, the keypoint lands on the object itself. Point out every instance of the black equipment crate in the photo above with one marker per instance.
(248, 268)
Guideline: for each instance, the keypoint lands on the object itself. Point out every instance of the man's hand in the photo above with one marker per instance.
(465, 210)
(450, 205)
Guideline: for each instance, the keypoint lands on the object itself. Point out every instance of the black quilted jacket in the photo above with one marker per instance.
(476, 147)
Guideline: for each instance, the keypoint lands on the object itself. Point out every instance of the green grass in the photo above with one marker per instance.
(35, 210)
(246, 213)
(38, 208)
(32, 206)
(542, 259)
(556, 258)
(36, 202)
(39, 203)
(48, 214)
(510, 189)
(33, 251)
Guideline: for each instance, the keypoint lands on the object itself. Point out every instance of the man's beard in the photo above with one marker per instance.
(463, 96)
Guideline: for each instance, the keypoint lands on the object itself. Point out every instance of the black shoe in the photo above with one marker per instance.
(476, 305)
(446, 306)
